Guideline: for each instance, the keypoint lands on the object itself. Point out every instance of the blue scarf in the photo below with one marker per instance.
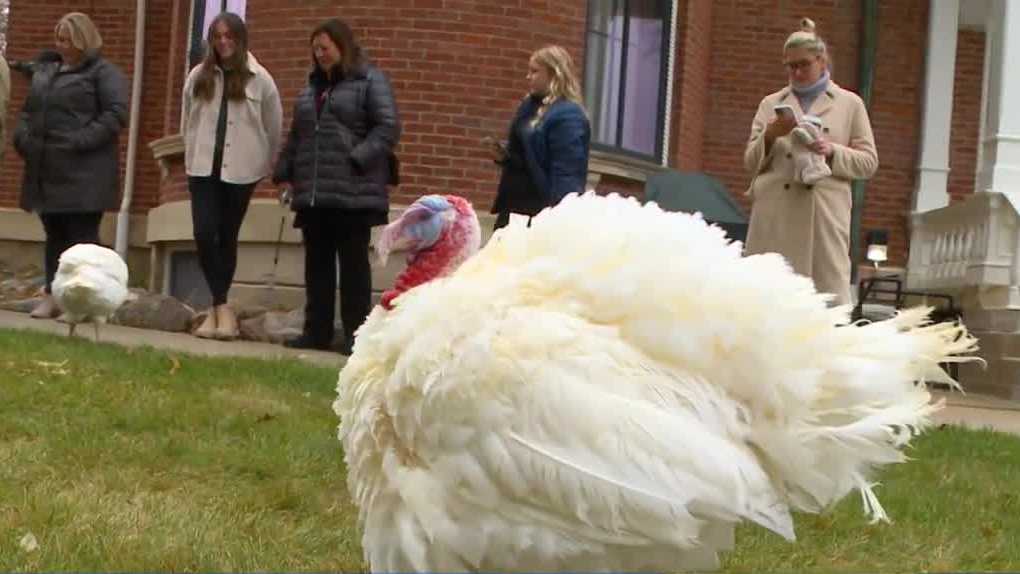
(807, 95)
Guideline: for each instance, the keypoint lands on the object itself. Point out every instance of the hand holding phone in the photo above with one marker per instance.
(784, 110)
(785, 121)
(496, 148)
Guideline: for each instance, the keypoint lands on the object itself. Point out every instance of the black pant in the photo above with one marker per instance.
(503, 219)
(325, 237)
(217, 211)
(64, 230)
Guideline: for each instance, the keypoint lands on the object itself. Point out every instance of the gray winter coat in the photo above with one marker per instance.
(342, 157)
(68, 136)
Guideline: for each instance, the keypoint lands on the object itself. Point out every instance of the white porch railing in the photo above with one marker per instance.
(969, 244)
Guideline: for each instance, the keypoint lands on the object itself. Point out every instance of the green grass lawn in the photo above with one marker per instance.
(122, 460)
(955, 507)
(143, 460)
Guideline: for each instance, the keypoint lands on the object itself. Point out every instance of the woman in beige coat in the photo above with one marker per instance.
(808, 222)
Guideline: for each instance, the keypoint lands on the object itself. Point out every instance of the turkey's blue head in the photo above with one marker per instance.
(438, 232)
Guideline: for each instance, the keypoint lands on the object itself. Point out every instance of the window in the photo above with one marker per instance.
(202, 14)
(626, 73)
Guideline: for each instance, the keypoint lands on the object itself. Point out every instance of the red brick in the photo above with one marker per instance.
(965, 130)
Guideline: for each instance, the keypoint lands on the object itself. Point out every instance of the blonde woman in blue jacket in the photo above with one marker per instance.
(546, 154)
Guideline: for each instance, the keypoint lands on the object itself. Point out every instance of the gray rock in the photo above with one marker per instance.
(20, 305)
(155, 311)
(253, 329)
(31, 272)
(273, 326)
(10, 286)
(245, 312)
(17, 288)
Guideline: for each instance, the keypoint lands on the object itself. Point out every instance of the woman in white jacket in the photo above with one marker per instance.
(232, 129)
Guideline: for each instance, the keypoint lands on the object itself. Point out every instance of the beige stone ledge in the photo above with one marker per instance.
(165, 148)
(172, 222)
(170, 231)
(623, 166)
(18, 225)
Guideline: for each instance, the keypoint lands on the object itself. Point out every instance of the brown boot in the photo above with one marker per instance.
(46, 309)
(226, 323)
(207, 330)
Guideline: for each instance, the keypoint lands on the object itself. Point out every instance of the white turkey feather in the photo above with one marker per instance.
(612, 389)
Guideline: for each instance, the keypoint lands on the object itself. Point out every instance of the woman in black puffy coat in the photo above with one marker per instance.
(68, 135)
(337, 163)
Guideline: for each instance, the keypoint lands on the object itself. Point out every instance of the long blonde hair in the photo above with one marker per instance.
(563, 81)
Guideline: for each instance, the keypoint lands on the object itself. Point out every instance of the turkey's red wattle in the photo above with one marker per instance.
(445, 255)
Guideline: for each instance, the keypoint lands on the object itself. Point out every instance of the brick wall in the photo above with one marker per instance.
(896, 120)
(154, 100)
(175, 61)
(457, 67)
(965, 130)
(691, 93)
(31, 30)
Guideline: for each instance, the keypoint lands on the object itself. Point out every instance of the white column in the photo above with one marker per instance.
(931, 191)
(1000, 157)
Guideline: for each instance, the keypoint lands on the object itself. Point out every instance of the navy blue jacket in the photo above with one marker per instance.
(546, 162)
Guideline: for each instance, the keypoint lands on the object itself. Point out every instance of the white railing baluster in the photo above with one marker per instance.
(967, 244)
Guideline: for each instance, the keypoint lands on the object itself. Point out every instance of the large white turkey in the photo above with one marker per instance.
(612, 389)
(90, 284)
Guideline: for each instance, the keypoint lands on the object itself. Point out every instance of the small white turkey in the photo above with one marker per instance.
(612, 389)
(90, 284)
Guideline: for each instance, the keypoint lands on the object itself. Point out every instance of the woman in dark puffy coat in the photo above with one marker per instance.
(68, 136)
(337, 162)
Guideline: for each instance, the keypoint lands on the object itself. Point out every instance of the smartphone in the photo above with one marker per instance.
(784, 109)
(491, 141)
